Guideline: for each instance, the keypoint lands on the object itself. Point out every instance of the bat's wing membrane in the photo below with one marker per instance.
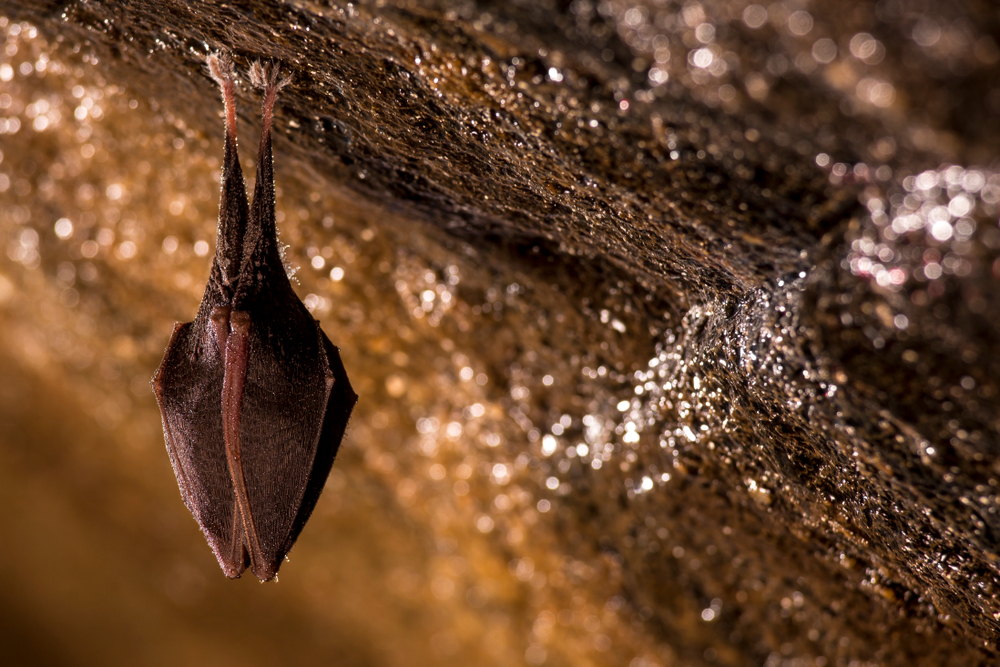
(340, 402)
(283, 408)
(188, 388)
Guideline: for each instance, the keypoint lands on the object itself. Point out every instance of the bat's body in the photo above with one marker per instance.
(253, 395)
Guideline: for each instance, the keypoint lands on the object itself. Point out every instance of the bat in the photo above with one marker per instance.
(253, 395)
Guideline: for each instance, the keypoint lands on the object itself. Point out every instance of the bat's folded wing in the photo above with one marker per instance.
(295, 407)
(188, 388)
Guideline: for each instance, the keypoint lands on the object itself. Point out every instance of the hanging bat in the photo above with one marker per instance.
(253, 395)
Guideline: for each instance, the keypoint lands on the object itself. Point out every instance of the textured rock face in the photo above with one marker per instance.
(673, 324)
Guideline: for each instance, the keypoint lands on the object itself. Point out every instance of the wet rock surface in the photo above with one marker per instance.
(673, 326)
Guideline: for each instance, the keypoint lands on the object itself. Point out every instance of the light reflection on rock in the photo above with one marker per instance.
(545, 468)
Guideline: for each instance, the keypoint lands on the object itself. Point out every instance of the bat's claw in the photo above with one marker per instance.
(221, 68)
(268, 77)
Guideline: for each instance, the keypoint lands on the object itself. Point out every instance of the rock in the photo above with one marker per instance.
(673, 324)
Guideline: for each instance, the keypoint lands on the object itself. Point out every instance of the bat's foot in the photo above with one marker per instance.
(222, 70)
(270, 79)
